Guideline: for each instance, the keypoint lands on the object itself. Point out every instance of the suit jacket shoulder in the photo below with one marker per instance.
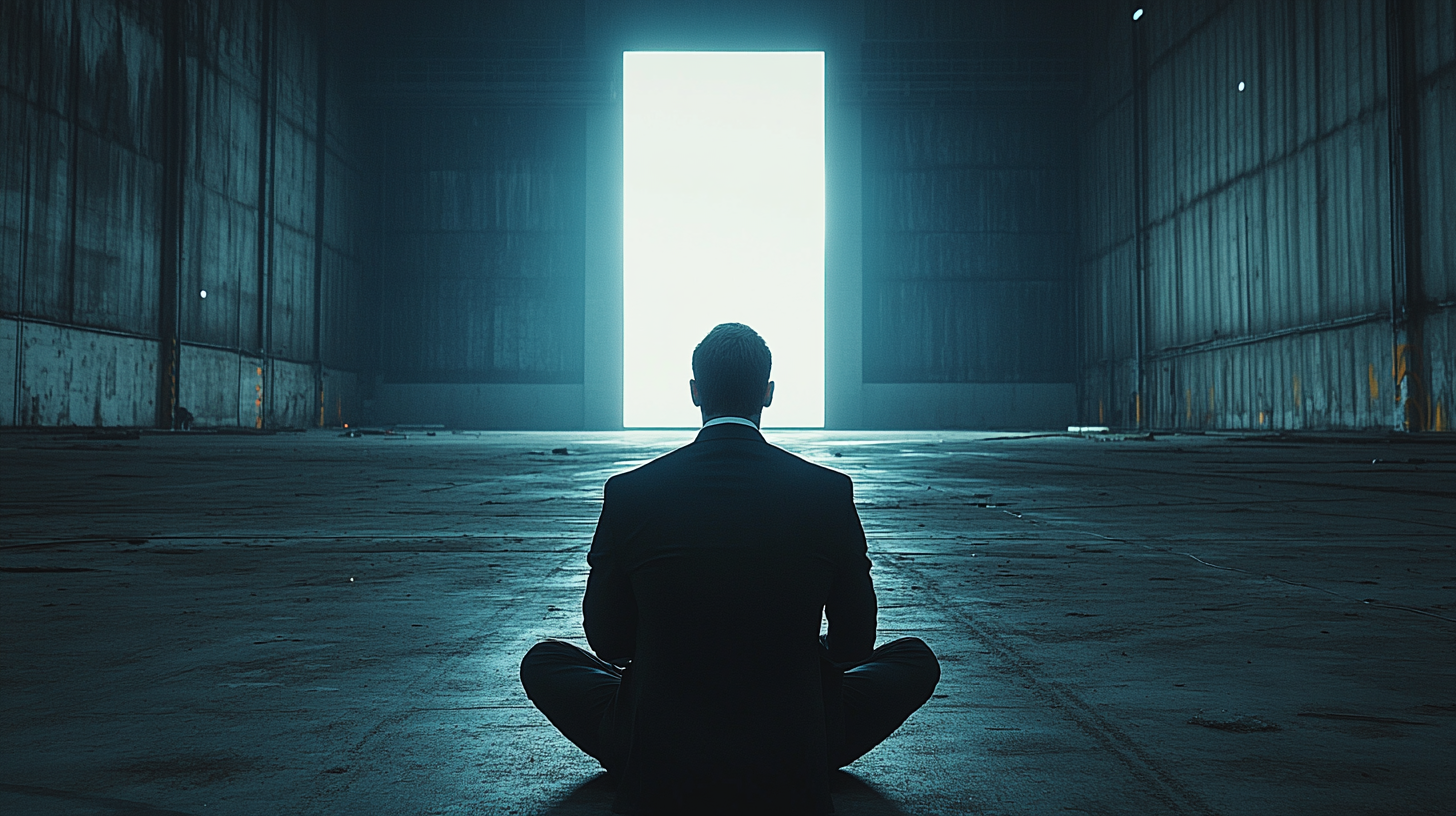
(671, 464)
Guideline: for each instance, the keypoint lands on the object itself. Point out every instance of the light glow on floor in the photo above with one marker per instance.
(723, 222)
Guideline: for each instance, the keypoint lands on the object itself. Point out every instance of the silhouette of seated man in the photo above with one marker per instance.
(711, 690)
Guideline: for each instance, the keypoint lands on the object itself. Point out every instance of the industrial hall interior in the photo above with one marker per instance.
(325, 323)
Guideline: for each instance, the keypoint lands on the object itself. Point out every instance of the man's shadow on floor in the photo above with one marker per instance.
(852, 797)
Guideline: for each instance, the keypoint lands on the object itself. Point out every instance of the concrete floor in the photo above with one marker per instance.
(308, 623)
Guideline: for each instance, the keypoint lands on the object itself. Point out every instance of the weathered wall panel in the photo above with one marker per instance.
(14, 196)
(81, 84)
(290, 395)
(1435, 202)
(214, 387)
(968, 184)
(349, 287)
(342, 398)
(221, 223)
(1440, 338)
(85, 210)
(347, 267)
(1259, 275)
(9, 356)
(45, 289)
(481, 121)
(89, 378)
(116, 122)
(483, 253)
(114, 281)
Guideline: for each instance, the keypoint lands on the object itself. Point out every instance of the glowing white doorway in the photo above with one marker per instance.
(723, 221)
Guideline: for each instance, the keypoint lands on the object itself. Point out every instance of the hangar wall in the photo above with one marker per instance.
(968, 124)
(949, 256)
(156, 150)
(1017, 235)
(481, 174)
(1276, 257)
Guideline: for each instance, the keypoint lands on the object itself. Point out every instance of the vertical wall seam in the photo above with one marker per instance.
(266, 184)
(1408, 302)
(1140, 76)
(320, 190)
(73, 94)
(173, 173)
(23, 259)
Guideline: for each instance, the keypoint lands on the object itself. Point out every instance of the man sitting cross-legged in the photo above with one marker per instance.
(711, 690)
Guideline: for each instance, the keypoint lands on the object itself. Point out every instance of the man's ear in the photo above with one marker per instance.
(693, 387)
(768, 395)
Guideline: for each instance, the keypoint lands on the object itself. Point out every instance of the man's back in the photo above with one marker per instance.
(709, 572)
(710, 568)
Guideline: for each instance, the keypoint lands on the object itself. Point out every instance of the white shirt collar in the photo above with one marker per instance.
(730, 420)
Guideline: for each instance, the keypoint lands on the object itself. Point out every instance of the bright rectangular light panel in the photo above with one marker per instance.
(723, 222)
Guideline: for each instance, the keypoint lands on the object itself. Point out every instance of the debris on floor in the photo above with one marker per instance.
(1238, 725)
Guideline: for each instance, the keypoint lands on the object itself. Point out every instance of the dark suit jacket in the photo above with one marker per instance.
(710, 569)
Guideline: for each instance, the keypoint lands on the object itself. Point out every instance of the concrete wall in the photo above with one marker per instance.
(1277, 256)
(154, 151)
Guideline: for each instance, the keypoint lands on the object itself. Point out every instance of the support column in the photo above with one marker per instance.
(1141, 409)
(1407, 295)
(844, 223)
(174, 160)
(603, 329)
(602, 356)
(320, 182)
(267, 116)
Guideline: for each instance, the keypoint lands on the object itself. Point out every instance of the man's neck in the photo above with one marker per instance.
(733, 420)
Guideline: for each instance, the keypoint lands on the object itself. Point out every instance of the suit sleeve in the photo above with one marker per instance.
(609, 610)
(851, 606)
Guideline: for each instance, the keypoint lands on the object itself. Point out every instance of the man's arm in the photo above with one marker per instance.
(851, 606)
(609, 611)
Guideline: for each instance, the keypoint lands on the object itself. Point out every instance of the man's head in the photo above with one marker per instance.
(730, 373)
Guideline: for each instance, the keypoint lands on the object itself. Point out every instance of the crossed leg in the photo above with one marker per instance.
(879, 694)
(576, 690)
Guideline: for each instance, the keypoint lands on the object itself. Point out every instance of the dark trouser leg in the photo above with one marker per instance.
(879, 694)
(573, 689)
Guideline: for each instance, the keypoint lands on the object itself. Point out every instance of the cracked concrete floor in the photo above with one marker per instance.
(308, 623)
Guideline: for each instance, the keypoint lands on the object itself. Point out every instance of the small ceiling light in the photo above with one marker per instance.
(1137, 15)
(204, 291)
(1241, 87)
